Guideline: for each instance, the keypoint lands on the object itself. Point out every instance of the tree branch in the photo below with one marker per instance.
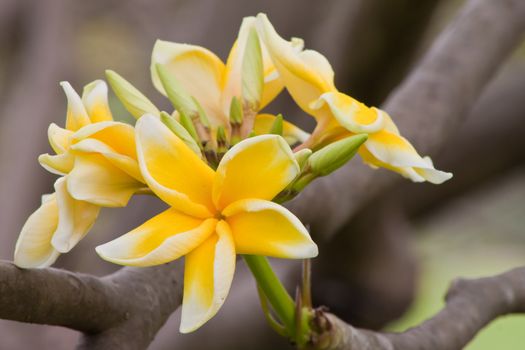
(470, 306)
(53, 296)
(132, 303)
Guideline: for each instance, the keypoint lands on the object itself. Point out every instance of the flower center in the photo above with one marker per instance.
(219, 216)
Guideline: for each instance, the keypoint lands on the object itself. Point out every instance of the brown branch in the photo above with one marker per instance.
(470, 306)
(132, 303)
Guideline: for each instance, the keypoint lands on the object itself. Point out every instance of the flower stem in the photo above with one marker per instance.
(281, 302)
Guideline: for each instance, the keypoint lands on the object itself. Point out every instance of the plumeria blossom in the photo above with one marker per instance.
(213, 215)
(96, 159)
(214, 84)
(309, 78)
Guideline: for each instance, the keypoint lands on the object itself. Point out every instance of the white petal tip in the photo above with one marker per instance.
(61, 246)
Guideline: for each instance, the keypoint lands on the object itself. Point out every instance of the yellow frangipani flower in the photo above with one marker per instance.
(211, 82)
(96, 157)
(214, 215)
(309, 78)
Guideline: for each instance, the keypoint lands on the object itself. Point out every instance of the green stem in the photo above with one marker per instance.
(282, 303)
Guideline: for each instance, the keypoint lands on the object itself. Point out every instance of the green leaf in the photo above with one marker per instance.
(180, 131)
(133, 100)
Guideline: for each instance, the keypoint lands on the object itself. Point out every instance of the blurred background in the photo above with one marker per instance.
(471, 226)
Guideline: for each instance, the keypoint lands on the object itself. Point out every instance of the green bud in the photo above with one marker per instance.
(302, 157)
(133, 100)
(277, 126)
(221, 135)
(236, 115)
(179, 97)
(252, 71)
(202, 114)
(335, 155)
(180, 131)
(186, 122)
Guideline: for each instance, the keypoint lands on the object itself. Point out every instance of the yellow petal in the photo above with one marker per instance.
(172, 170)
(127, 164)
(388, 123)
(75, 218)
(394, 150)
(208, 276)
(59, 138)
(265, 228)
(60, 164)
(33, 248)
(162, 239)
(77, 115)
(433, 175)
(273, 84)
(96, 180)
(259, 167)
(306, 74)
(197, 69)
(291, 133)
(95, 99)
(423, 171)
(119, 136)
(350, 113)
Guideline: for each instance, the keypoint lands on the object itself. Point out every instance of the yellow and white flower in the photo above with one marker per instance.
(214, 215)
(309, 78)
(96, 158)
(214, 84)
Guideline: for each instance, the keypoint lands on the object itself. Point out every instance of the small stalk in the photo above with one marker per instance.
(281, 302)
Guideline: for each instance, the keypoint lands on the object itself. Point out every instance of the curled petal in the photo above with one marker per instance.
(394, 150)
(162, 239)
(259, 167)
(119, 136)
(306, 74)
(75, 218)
(172, 170)
(197, 69)
(59, 138)
(265, 228)
(350, 113)
(95, 99)
(291, 133)
(77, 115)
(33, 248)
(414, 167)
(127, 164)
(96, 180)
(60, 164)
(208, 275)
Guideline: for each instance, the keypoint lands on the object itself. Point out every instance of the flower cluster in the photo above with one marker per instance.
(220, 164)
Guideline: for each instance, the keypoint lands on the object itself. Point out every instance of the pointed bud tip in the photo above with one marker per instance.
(335, 155)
